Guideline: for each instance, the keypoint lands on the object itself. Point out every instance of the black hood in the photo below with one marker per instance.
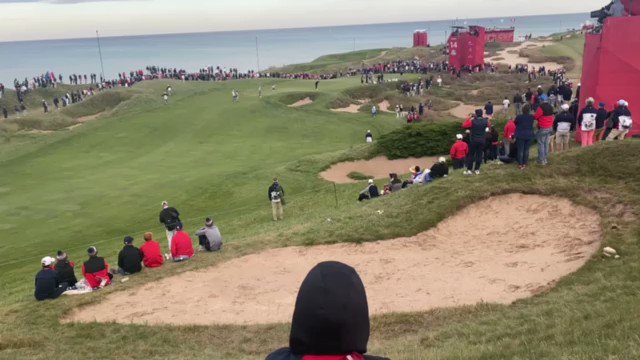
(331, 316)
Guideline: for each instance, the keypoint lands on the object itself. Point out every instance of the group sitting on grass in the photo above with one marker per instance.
(58, 275)
(418, 177)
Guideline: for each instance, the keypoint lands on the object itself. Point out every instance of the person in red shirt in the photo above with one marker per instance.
(152, 255)
(459, 152)
(508, 135)
(96, 270)
(545, 117)
(181, 246)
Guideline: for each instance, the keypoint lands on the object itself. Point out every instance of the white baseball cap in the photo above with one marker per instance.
(459, 136)
(565, 107)
(370, 181)
(47, 261)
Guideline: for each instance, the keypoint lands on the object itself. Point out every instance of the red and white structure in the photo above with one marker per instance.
(506, 35)
(611, 64)
(466, 48)
(420, 38)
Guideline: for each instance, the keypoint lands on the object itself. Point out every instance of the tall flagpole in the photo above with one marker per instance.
(100, 52)
(257, 55)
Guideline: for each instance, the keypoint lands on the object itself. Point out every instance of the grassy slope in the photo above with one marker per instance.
(208, 156)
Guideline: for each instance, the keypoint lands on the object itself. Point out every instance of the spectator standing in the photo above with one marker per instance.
(601, 118)
(545, 116)
(621, 121)
(478, 129)
(459, 152)
(587, 122)
(276, 196)
(563, 124)
(524, 135)
(170, 218)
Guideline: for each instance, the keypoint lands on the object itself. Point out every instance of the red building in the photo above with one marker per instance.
(420, 38)
(501, 35)
(466, 48)
(611, 64)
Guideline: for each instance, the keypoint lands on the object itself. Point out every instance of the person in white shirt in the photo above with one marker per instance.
(439, 81)
(505, 106)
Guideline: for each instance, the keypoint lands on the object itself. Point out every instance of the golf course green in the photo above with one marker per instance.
(92, 184)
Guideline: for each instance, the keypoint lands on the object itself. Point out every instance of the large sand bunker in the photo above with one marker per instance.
(497, 251)
(300, 103)
(378, 168)
(462, 110)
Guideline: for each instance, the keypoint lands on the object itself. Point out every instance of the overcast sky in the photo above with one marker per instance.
(51, 19)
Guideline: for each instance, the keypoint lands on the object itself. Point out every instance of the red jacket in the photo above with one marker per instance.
(467, 124)
(509, 130)
(181, 245)
(152, 255)
(94, 279)
(544, 122)
(459, 150)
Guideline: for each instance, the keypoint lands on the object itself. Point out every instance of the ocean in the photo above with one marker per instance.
(238, 48)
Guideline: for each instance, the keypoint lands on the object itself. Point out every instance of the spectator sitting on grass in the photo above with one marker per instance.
(370, 192)
(439, 169)
(64, 267)
(129, 258)
(96, 270)
(209, 236)
(151, 253)
(395, 184)
(331, 317)
(48, 285)
(181, 246)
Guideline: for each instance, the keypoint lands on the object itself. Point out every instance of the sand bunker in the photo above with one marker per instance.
(496, 251)
(462, 111)
(353, 108)
(384, 106)
(511, 56)
(303, 102)
(378, 167)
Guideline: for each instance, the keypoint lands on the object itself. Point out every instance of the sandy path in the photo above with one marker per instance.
(514, 59)
(496, 251)
(462, 111)
(303, 102)
(378, 167)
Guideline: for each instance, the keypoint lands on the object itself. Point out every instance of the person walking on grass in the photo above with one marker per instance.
(374, 111)
(368, 137)
(505, 106)
(587, 122)
(170, 218)
(459, 152)
(545, 116)
(563, 125)
(479, 126)
(276, 196)
(601, 118)
(5, 113)
(48, 285)
(209, 236)
(524, 135)
(165, 98)
(508, 136)
(129, 258)
(151, 253)
(488, 109)
(621, 121)
(517, 103)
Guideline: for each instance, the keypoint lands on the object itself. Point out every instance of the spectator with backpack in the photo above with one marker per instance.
(170, 218)
(276, 196)
(563, 124)
(621, 121)
(587, 122)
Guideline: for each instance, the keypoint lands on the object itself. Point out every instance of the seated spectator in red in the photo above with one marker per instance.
(96, 270)
(151, 253)
(181, 246)
(331, 317)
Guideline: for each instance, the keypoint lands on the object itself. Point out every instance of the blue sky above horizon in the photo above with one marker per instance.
(58, 19)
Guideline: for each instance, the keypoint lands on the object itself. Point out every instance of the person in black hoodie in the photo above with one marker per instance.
(170, 218)
(601, 118)
(331, 316)
(439, 169)
(64, 267)
(129, 258)
(478, 141)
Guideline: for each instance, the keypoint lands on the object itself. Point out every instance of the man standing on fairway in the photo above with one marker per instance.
(276, 196)
(170, 217)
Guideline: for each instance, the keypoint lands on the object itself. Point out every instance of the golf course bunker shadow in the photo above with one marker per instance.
(378, 168)
(495, 251)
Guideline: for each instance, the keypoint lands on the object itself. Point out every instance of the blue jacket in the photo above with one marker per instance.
(47, 282)
(524, 127)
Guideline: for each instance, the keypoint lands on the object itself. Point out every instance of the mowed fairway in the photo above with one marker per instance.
(203, 153)
(105, 179)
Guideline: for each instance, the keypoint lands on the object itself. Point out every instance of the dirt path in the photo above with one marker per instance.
(462, 111)
(303, 102)
(514, 59)
(497, 251)
(378, 167)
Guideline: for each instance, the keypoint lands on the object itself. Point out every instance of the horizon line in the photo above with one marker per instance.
(276, 29)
